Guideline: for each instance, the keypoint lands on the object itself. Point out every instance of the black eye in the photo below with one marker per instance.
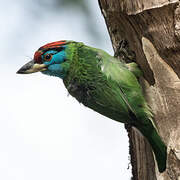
(48, 57)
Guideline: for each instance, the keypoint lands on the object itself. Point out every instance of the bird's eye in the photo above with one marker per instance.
(48, 57)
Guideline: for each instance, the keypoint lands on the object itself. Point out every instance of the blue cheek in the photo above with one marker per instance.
(57, 58)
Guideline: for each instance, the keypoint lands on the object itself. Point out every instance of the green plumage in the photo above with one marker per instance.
(110, 87)
(102, 83)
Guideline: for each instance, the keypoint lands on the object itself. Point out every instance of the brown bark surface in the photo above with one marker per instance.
(152, 29)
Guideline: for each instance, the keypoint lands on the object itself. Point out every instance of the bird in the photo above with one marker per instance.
(102, 83)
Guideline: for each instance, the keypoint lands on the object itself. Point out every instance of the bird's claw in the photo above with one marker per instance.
(124, 52)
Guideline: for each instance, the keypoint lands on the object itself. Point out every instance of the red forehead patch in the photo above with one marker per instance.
(53, 44)
(37, 57)
(39, 53)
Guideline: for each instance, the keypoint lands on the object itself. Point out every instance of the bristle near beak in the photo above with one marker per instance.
(32, 67)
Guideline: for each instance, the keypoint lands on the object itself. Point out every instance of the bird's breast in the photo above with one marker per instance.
(82, 92)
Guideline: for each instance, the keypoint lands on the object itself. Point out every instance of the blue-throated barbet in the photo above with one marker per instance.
(102, 83)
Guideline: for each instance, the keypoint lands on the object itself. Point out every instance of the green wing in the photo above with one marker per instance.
(126, 84)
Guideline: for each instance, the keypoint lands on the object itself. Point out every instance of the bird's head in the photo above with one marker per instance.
(49, 59)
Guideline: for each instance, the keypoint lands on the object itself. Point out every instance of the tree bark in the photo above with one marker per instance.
(152, 29)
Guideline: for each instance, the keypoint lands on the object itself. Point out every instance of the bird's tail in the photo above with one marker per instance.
(158, 146)
(141, 118)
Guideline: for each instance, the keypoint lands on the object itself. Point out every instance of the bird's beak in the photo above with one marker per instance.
(32, 67)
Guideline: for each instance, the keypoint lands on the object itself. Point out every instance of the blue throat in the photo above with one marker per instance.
(55, 70)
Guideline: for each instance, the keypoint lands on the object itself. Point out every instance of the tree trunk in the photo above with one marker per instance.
(152, 29)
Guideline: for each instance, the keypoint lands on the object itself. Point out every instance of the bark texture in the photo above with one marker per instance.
(152, 28)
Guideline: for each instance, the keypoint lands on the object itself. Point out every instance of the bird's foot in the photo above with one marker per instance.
(124, 52)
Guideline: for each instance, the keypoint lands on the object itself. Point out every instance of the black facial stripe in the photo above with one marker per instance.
(56, 49)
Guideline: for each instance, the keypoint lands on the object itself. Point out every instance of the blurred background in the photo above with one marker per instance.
(44, 133)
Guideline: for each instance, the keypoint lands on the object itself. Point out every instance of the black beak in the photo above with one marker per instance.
(31, 67)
